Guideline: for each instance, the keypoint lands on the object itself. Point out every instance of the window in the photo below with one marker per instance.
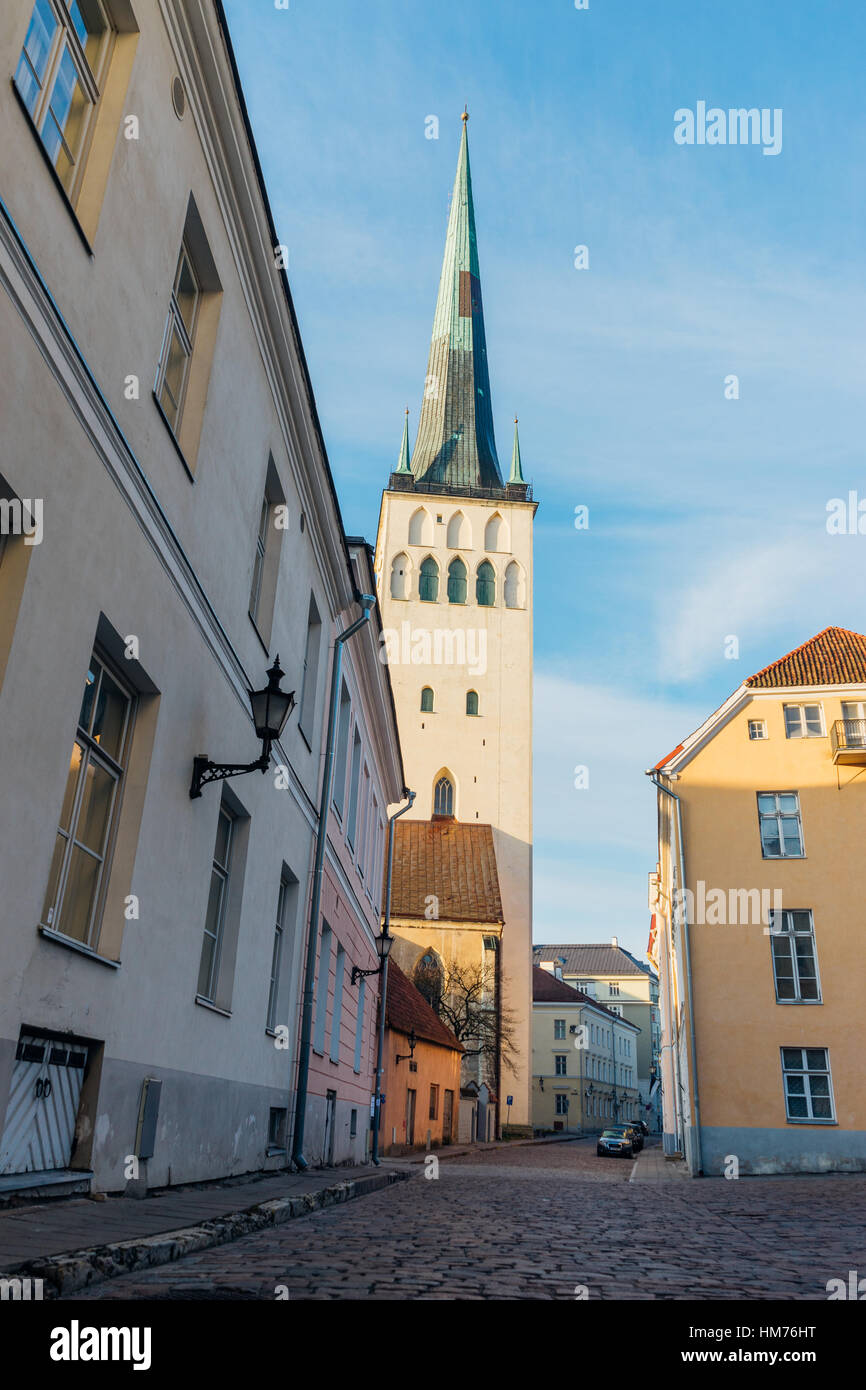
(515, 589)
(757, 728)
(310, 680)
(781, 831)
(277, 1124)
(457, 581)
(266, 557)
(429, 979)
(561, 1105)
(90, 808)
(485, 585)
(434, 1103)
(58, 76)
(353, 788)
(495, 534)
(613, 987)
(400, 577)
(364, 818)
(359, 1024)
(342, 749)
(177, 343)
(458, 536)
(428, 582)
(426, 700)
(472, 702)
(420, 528)
(560, 1059)
(322, 981)
(806, 1075)
(559, 1028)
(337, 1012)
(804, 721)
(285, 903)
(854, 715)
(208, 972)
(353, 1124)
(795, 964)
(443, 798)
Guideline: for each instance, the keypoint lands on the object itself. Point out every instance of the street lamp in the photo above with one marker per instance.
(384, 942)
(413, 1043)
(271, 708)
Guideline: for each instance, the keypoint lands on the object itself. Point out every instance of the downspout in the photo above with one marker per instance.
(383, 992)
(693, 1056)
(367, 602)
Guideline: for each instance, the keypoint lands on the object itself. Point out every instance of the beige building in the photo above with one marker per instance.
(454, 576)
(629, 987)
(584, 1058)
(170, 525)
(758, 921)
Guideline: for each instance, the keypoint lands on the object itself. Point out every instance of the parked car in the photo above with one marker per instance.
(615, 1142)
(632, 1129)
(641, 1125)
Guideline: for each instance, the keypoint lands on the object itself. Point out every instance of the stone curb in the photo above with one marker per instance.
(446, 1152)
(67, 1273)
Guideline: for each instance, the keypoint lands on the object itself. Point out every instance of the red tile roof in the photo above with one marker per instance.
(547, 989)
(406, 1008)
(454, 862)
(835, 657)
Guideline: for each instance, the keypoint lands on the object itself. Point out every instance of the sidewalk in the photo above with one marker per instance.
(652, 1166)
(73, 1243)
(458, 1150)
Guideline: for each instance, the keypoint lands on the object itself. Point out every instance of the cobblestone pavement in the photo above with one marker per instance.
(542, 1223)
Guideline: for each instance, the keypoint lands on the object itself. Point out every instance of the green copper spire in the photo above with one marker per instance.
(455, 444)
(403, 462)
(516, 475)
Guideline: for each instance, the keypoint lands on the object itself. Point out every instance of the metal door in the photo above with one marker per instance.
(43, 1105)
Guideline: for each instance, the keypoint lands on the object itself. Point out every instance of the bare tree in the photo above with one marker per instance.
(467, 1005)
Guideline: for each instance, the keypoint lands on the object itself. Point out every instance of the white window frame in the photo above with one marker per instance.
(277, 954)
(808, 1072)
(559, 1030)
(757, 730)
(786, 930)
(223, 871)
(175, 322)
(259, 560)
(65, 39)
(802, 731)
(91, 752)
(780, 817)
(560, 1057)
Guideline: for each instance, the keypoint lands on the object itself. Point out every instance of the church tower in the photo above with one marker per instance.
(454, 574)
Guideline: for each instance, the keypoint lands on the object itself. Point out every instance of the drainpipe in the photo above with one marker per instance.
(693, 1057)
(367, 602)
(383, 994)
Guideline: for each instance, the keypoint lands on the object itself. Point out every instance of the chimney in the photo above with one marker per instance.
(614, 941)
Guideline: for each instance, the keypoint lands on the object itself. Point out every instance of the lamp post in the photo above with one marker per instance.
(383, 990)
(271, 708)
(384, 942)
(410, 1055)
(367, 602)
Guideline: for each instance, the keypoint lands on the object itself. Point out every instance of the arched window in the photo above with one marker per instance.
(496, 534)
(428, 582)
(472, 702)
(485, 584)
(400, 576)
(515, 589)
(443, 798)
(459, 536)
(457, 581)
(426, 700)
(421, 528)
(429, 978)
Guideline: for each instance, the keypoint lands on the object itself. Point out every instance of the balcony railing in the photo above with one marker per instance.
(848, 741)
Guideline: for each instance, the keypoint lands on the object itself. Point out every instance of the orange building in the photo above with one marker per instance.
(422, 1091)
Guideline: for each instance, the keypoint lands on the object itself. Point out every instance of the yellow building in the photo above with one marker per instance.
(454, 576)
(422, 1072)
(758, 920)
(584, 1060)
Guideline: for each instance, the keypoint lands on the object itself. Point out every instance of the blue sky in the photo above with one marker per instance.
(707, 515)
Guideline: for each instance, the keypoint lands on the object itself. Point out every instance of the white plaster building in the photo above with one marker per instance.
(159, 420)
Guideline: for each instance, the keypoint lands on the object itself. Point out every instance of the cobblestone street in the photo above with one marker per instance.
(542, 1222)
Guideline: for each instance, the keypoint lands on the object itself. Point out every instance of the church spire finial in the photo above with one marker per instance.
(456, 446)
(403, 461)
(516, 475)
(465, 117)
